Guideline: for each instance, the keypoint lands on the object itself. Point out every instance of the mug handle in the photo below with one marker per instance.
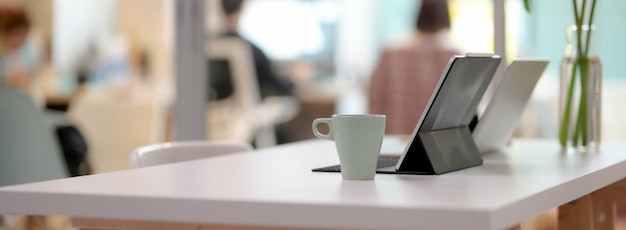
(317, 133)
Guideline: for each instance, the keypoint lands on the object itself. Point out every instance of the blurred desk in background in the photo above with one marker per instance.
(116, 122)
(58, 102)
(315, 101)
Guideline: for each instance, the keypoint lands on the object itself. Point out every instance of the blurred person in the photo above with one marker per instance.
(408, 72)
(269, 82)
(19, 54)
(19, 68)
(20, 65)
(140, 61)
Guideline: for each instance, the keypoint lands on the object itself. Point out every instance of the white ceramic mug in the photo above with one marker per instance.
(358, 139)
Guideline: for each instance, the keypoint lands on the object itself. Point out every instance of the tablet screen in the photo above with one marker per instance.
(451, 107)
(458, 96)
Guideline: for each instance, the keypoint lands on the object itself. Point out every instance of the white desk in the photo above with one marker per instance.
(275, 187)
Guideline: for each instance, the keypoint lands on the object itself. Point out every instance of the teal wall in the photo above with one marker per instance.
(396, 18)
(547, 24)
(550, 18)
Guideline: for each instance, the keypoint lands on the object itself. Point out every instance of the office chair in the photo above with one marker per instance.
(30, 151)
(244, 116)
(173, 152)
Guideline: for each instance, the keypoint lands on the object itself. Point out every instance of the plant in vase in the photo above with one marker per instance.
(580, 83)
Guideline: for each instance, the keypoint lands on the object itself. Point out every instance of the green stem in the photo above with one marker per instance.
(579, 23)
(593, 9)
(576, 18)
(527, 5)
(576, 135)
(564, 131)
(582, 109)
(584, 78)
(581, 62)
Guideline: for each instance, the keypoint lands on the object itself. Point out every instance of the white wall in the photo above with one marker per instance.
(357, 46)
(148, 23)
(77, 25)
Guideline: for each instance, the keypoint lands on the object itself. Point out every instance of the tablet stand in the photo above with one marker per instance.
(441, 151)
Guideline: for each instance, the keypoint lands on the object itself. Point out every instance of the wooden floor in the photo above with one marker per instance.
(621, 224)
(20, 222)
(546, 221)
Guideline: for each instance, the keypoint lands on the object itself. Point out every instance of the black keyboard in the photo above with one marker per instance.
(383, 162)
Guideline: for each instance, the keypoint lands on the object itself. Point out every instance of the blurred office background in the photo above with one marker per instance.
(111, 62)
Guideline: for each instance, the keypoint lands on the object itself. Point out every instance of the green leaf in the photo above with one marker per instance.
(527, 5)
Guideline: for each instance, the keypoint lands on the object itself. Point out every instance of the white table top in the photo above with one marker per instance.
(275, 187)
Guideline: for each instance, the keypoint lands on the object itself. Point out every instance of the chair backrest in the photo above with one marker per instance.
(238, 54)
(232, 118)
(173, 152)
(244, 116)
(29, 151)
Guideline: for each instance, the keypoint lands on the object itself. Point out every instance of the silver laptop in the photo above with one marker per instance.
(499, 120)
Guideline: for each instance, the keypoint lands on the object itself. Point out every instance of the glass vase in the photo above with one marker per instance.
(580, 92)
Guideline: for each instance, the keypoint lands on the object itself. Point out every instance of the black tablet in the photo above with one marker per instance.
(441, 141)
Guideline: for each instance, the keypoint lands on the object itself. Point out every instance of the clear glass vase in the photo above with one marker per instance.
(580, 92)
